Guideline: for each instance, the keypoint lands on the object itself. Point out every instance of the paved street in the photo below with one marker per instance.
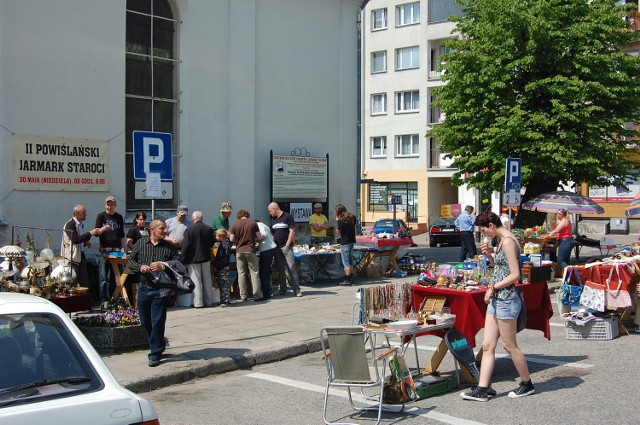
(215, 340)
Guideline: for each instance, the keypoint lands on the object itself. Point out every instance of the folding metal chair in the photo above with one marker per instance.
(347, 366)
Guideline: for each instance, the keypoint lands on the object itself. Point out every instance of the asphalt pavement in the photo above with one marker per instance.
(208, 341)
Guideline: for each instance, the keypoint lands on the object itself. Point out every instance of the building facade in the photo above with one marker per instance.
(402, 45)
(230, 80)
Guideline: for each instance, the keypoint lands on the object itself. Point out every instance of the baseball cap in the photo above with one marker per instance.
(317, 205)
(226, 207)
(110, 199)
(182, 210)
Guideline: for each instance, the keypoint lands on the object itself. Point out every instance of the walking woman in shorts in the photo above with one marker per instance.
(503, 307)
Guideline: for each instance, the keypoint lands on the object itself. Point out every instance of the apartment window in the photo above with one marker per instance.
(379, 147)
(379, 61)
(407, 145)
(408, 101)
(407, 58)
(378, 104)
(379, 19)
(150, 92)
(408, 14)
(435, 113)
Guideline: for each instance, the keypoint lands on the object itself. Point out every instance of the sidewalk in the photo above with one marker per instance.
(216, 340)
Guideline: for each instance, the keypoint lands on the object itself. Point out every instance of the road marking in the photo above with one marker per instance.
(415, 411)
(531, 359)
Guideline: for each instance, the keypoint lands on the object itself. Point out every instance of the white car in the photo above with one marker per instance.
(50, 373)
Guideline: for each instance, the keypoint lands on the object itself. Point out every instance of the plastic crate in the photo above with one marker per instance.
(601, 328)
(425, 391)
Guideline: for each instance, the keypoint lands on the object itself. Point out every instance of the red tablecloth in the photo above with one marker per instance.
(600, 274)
(73, 303)
(381, 243)
(470, 308)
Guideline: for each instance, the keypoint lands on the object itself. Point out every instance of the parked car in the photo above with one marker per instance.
(442, 231)
(388, 225)
(50, 373)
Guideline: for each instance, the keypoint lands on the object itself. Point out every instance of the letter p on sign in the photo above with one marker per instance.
(513, 176)
(152, 153)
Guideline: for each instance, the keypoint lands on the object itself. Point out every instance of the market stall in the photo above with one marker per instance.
(377, 254)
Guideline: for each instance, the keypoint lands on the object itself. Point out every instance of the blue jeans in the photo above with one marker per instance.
(106, 277)
(565, 245)
(345, 252)
(152, 309)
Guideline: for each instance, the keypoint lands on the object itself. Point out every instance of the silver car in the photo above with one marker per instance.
(50, 373)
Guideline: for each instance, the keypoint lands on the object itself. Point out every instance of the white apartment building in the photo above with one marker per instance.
(402, 43)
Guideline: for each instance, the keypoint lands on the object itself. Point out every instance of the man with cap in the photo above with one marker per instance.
(112, 238)
(319, 225)
(176, 226)
(222, 220)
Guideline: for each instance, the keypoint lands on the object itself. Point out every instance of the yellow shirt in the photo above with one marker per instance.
(318, 219)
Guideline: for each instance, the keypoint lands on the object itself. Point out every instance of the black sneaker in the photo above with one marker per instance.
(345, 283)
(478, 394)
(490, 391)
(524, 389)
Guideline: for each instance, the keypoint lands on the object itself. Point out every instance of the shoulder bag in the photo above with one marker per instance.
(570, 294)
(522, 316)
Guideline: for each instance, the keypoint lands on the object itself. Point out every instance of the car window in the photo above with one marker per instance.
(41, 360)
(443, 222)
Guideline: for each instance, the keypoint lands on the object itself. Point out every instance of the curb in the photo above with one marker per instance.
(221, 365)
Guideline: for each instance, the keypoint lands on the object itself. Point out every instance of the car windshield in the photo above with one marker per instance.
(41, 360)
(384, 223)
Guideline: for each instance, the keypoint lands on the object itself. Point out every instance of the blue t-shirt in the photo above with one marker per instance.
(280, 228)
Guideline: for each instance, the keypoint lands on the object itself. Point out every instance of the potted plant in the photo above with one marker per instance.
(117, 328)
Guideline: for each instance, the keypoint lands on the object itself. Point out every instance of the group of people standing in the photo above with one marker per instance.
(190, 240)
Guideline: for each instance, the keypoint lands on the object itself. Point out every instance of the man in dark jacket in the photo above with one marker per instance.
(196, 255)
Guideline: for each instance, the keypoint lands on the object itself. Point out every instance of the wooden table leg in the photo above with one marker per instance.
(436, 359)
(120, 280)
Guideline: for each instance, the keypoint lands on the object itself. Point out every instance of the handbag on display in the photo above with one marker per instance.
(594, 295)
(617, 298)
(570, 294)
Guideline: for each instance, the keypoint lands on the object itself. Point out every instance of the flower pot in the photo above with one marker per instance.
(116, 338)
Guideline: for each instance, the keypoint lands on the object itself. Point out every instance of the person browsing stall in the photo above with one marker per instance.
(503, 307)
(283, 229)
(147, 256)
(347, 231)
(110, 239)
(563, 232)
(465, 223)
(196, 255)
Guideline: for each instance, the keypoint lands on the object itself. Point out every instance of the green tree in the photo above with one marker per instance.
(541, 80)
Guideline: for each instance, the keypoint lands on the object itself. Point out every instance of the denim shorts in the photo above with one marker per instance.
(345, 251)
(505, 309)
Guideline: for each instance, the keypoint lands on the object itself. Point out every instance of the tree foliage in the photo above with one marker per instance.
(541, 80)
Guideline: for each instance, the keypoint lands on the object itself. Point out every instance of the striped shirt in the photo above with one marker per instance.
(144, 253)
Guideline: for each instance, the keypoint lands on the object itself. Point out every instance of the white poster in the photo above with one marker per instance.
(299, 177)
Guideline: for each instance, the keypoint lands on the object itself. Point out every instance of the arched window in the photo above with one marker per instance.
(151, 83)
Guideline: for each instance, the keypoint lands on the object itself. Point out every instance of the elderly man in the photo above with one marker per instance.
(147, 256)
(222, 220)
(196, 255)
(283, 229)
(176, 226)
(74, 239)
(244, 234)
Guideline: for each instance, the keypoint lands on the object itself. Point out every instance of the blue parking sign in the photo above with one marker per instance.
(152, 153)
(513, 176)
